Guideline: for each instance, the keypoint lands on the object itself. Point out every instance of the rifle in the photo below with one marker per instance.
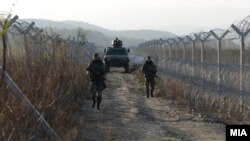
(156, 76)
(150, 75)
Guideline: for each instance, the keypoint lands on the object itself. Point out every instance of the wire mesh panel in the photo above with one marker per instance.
(216, 61)
(189, 51)
(210, 52)
(44, 65)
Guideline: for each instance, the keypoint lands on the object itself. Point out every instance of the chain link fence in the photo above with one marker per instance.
(26, 47)
(217, 62)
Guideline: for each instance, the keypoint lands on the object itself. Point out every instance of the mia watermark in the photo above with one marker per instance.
(237, 132)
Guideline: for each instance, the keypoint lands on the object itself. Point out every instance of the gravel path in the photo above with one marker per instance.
(127, 115)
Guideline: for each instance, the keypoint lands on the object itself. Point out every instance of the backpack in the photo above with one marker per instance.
(150, 69)
(98, 70)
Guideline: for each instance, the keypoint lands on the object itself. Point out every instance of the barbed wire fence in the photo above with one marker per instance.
(216, 61)
(23, 37)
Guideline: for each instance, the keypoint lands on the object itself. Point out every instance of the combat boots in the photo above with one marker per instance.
(93, 104)
(147, 93)
(99, 100)
(151, 93)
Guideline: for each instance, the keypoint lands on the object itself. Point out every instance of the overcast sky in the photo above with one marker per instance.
(136, 14)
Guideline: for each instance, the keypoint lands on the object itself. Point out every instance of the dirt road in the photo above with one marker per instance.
(127, 115)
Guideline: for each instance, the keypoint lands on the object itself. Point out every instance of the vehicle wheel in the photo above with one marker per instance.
(126, 68)
(107, 68)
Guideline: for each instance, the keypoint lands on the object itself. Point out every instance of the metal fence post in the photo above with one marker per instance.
(27, 49)
(184, 52)
(242, 61)
(193, 46)
(165, 45)
(5, 26)
(170, 49)
(202, 54)
(184, 47)
(158, 52)
(177, 42)
(155, 49)
(219, 46)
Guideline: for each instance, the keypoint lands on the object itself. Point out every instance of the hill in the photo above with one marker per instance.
(102, 36)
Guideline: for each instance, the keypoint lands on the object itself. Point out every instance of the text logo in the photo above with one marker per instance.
(237, 132)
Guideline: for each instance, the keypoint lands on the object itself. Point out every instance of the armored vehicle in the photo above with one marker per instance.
(116, 56)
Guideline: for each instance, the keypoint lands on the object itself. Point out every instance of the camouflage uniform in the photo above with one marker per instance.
(117, 43)
(149, 70)
(96, 71)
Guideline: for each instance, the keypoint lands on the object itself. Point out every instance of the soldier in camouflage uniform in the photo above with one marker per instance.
(96, 71)
(149, 69)
(117, 43)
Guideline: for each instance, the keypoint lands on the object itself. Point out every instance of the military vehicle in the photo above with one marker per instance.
(116, 56)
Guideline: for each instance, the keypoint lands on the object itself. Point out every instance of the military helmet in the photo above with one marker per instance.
(95, 55)
(148, 57)
(114, 42)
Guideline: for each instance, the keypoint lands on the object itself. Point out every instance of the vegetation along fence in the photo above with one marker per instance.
(23, 41)
(217, 61)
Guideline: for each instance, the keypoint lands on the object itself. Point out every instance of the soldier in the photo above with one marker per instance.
(149, 69)
(96, 71)
(116, 43)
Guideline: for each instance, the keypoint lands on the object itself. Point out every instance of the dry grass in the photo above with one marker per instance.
(57, 91)
(134, 68)
(208, 105)
(56, 85)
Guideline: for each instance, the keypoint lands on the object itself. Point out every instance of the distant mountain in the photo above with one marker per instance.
(185, 29)
(145, 34)
(102, 36)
